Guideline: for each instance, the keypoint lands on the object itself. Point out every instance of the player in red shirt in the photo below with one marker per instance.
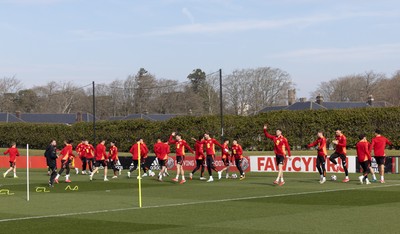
(161, 149)
(340, 152)
(200, 158)
(135, 155)
(364, 158)
(113, 158)
(237, 152)
(101, 159)
(89, 154)
(225, 158)
(143, 160)
(378, 144)
(14, 153)
(210, 152)
(281, 144)
(80, 150)
(66, 156)
(180, 146)
(320, 144)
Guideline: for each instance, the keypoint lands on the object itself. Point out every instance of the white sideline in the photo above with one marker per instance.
(194, 203)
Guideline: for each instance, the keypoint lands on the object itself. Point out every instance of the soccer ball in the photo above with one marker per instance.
(152, 174)
(333, 177)
(234, 176)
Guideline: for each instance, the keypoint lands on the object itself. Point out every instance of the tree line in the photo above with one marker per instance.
(245, 92)
(358, 87)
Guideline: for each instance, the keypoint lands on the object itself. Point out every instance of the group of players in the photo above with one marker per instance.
(94, 158)
(363, 148)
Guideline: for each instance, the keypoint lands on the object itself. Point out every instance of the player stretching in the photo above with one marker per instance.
(321, 155)
(225, 159)
(135, 155)
(199, 156)
(378, 144)
(113, 157)
(13, 152)
(280, 146)
(180, 155)
(364, 158)
(89, 155)
(144, 158)
(237, 152)
(101, 159)
(210, 152)
(340, 152)
(80, 150)
(161, 149)
(66, 157)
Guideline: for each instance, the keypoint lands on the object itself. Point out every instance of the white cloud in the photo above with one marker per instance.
(245, 25)
(372, 52)
(188, 14)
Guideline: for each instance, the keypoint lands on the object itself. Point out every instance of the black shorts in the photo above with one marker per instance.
(180, 159)
(162, 162)
(380, 160)
(280, 159)
(365, 166)
(337, 155)
(199, 162)
(12, 164)
(225, 161)
(65, 163)
(100, 162)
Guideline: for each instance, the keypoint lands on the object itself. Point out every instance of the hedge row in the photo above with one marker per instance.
(298, 126)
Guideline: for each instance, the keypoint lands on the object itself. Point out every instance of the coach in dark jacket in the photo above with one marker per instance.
(51, 158)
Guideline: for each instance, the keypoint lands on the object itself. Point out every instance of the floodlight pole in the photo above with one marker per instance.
(221, 105)
(94, 113)
(27, 172)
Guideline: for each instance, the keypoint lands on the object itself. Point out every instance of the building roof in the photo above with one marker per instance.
(308, 105)
(305, 106)
(9, 118)
(151, 117)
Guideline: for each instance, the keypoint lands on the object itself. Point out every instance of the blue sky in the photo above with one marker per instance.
(104, 40)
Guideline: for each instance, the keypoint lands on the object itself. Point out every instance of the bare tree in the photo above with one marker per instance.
(9, 87)
(351, 88)
(249, 90)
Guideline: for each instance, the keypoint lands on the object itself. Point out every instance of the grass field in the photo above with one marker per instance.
(253, 205)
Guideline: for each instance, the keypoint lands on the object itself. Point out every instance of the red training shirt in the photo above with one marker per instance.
(321, 143)
(199, 150)
(363, 153)
(341, 146)
(237, 151)
(379, 144)
(180, 146)
(281, 144)
(210, 145)
(113, 153)
(66, 152)
(13, 153)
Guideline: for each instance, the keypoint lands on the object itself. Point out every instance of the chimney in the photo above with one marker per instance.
(370, 100)
(320, 99)
(79, 117)
(291, 96)
(303, 99)
(18, 114)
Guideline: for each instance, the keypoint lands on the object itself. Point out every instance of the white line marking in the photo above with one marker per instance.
(194, 203)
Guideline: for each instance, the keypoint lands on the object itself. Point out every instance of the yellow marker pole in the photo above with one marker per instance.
(140, 178)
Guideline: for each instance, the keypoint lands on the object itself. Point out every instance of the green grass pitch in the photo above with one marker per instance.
(253, 205)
